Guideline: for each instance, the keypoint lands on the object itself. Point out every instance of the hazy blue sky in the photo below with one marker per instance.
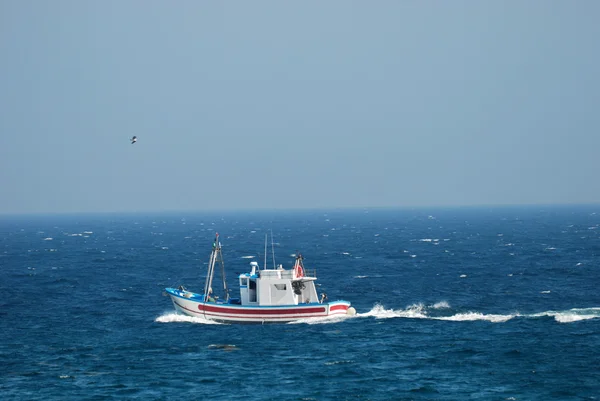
(286, 104)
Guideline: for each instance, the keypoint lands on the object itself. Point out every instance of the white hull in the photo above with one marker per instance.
(191, 304)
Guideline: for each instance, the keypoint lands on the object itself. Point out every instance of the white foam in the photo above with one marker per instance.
(48, 239)
(472, 316)
(441, 305)
(248, 257)
(568, 318)
(176, 318)
(338, 362)
(571, 315)
(414, 311)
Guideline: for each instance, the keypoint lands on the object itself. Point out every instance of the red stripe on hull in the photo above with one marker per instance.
(250, 312)
(227, 313)
(341, 307)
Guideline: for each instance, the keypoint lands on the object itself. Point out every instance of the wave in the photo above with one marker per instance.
(472, 316)
(176, 318)
(441, 305)
(571, 315)
(432, 312)
(414, 312)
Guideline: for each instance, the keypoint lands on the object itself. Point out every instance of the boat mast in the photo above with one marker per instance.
(215, 256)
(222, 263)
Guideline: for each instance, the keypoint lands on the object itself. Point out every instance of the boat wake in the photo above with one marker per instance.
(176, 318)
(438, 311)
(442, 311)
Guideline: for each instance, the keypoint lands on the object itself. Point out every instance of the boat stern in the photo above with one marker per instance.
(335, 308)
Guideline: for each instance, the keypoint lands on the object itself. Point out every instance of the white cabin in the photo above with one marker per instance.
(273, 287)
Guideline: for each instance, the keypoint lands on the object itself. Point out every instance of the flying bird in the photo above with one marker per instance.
(134, 140)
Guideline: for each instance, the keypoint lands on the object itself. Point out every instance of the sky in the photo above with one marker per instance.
(297, 104)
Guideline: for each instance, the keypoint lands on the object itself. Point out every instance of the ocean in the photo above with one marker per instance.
(487, 303)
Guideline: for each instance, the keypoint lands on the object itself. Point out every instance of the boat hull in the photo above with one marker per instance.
(192, 304)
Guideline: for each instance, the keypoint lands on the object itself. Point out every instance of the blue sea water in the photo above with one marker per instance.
(453, 304)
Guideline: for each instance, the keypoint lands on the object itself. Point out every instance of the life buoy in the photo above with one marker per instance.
(299, 271)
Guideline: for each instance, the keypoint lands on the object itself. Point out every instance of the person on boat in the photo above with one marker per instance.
(210, 297)
(323, 297)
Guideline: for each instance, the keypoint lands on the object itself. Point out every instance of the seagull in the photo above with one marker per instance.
(134, 140)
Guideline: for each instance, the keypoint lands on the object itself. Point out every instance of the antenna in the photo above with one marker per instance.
(273, 250)
(265, 266)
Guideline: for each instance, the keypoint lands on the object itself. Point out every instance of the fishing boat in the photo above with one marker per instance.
(266, 295)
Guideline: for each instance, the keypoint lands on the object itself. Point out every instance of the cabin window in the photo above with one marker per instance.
(244, 281)
(280, 287)
(252, 291)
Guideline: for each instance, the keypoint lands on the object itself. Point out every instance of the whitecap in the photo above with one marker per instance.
(473, 316)
(339, 362)
(414, 311)
(248, 257)
(441, 305)
(176, 318)
(571, 315)
(225, 347)
(48, 239)
(568, 318)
